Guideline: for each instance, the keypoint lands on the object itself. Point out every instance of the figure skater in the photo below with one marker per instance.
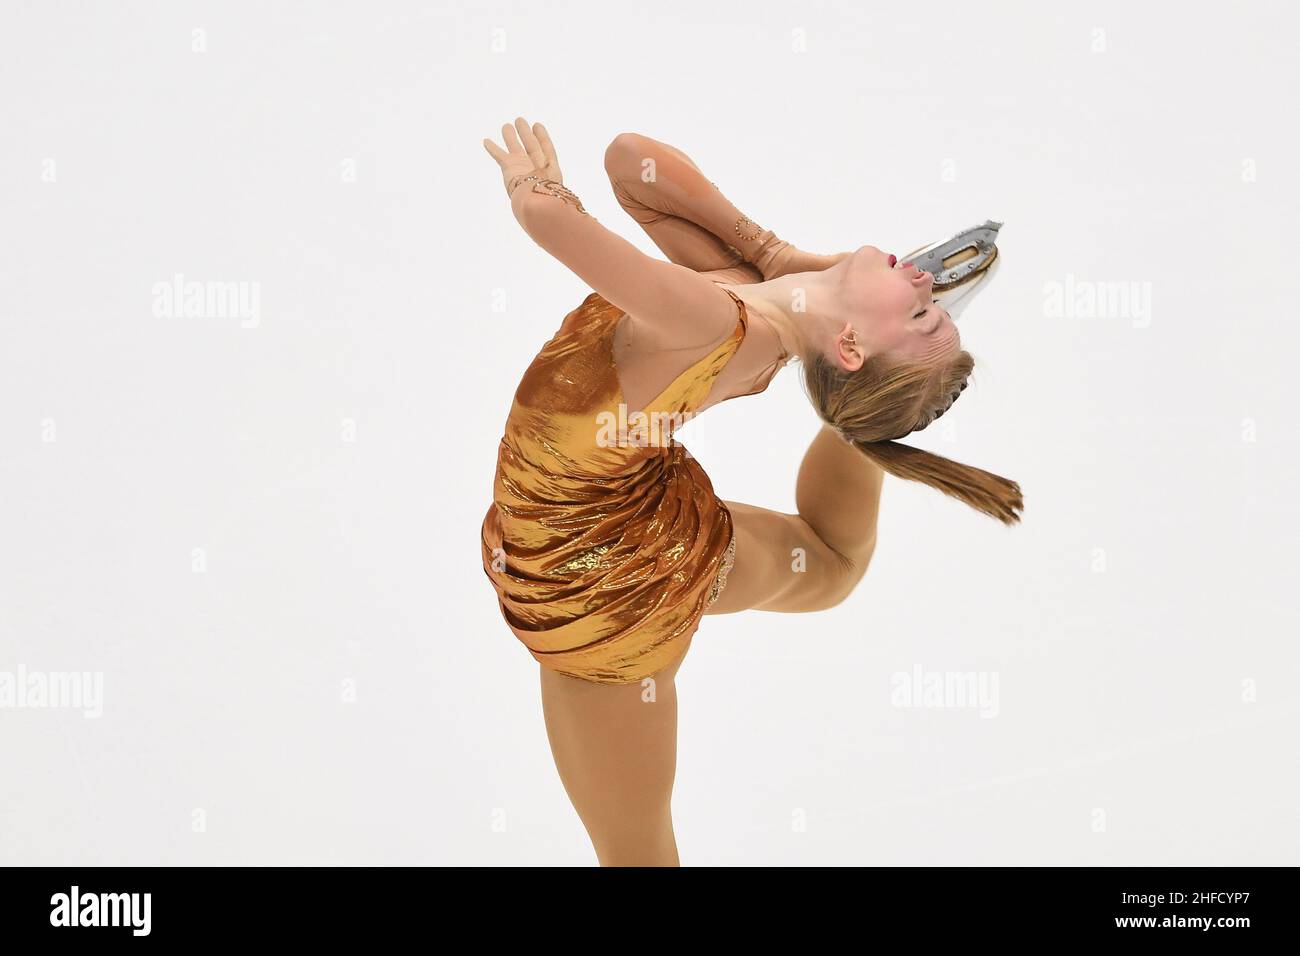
(605, 542)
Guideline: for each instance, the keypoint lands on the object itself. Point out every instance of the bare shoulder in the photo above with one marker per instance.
(712, 317)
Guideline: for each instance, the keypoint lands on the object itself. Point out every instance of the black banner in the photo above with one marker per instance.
(953, 906)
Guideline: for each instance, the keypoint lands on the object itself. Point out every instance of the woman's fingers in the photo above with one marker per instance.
(525, 146)
(511, 139)
(548, 148)
(531, 145)
(496, 152)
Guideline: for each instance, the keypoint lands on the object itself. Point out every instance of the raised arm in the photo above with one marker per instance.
(689, 218)
(680, 305)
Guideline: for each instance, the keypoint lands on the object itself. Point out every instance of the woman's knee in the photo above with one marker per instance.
(847, 573)
(623, 156)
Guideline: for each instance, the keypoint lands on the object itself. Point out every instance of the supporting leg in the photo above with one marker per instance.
(615, 746)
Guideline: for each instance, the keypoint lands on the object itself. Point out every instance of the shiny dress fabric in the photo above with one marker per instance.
(603, 547)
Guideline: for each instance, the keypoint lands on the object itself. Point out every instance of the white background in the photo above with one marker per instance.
(1141, 621)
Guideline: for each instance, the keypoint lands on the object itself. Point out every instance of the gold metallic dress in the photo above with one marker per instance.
(604, 542)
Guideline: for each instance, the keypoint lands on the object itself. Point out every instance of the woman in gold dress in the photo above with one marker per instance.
(605, 542)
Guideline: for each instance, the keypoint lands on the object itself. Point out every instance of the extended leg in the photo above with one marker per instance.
(615, 746)
(811, 560)
(690, 219)
(661, 204)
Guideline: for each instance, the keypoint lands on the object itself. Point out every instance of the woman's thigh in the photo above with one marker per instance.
(782, 565)
(615, 747)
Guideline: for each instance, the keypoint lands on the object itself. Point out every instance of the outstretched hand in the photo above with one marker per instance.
(529, 152)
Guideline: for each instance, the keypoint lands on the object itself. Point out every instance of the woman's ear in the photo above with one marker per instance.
(849, 350)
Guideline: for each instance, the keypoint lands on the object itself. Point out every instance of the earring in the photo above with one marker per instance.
(851, 338)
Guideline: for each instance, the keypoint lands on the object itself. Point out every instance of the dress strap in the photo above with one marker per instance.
(763, 378)
(740, 303)
(687, 391)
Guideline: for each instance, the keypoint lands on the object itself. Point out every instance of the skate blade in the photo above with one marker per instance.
(960, 265)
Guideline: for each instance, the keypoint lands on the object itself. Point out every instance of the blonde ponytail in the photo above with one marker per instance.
(886, 400)
(984, 491)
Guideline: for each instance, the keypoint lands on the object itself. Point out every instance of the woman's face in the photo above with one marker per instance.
(898, 314)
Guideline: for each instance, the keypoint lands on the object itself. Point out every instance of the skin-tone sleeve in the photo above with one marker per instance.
(680, 304)
(691, 221)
